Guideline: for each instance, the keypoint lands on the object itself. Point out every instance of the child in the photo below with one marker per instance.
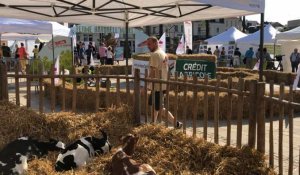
(110, 56)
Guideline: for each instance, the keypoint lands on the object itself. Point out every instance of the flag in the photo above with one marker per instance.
(188, 34)
(162, 42)
(56, 70)
(92, 60)
(141, 42)
(180, 48)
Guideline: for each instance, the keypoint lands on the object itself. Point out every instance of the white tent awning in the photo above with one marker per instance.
(269, 36)
(24, 26)
(292, 35)
(29, 27)
(232, 34)
(139, 12)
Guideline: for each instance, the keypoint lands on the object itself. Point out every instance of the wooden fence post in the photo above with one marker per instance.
(1, 80)
(291, 132)
(161, 97)
(97, 92)
(41, 95)
(166, 105)
(229, 112)
(281, 115)
(176, 101)
(205, 111)
(63, 91)
(252, 114)
(137, 96)
(5, 83)
(52, 89)
(185, 102)
(28, 83)
(260, 102)
(17, 84)
(216, 112)
(146, 106)
(195, 104)
(271, 142)
(240, 107)
(74, 94)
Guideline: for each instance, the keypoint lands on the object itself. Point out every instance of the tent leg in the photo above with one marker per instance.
(53, 48)
(72, 51)
(126, 47)
(261, 45)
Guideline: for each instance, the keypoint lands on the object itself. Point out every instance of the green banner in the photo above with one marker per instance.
(196, 67)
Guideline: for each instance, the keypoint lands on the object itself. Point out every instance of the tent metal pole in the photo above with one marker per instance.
(72, 51)
(126, 41)
(53, 48)
(261, 46)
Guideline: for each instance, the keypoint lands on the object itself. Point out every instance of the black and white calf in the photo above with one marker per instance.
(14, 156)
(81, 151)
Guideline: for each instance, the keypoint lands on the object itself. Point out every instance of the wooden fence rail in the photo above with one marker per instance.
(254, 98)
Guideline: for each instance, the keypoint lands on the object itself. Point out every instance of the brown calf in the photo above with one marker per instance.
(122, 164)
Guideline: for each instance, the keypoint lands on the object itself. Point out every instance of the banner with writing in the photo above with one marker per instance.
(196, 67)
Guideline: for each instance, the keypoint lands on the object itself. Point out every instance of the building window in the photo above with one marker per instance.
(182, 29)
(154, 30)
(199, 29)
(218, 30)
(176, 28)
(90, 37)
(222, 20)
(85, 37)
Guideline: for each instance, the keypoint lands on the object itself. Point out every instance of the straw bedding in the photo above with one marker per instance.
(167, 150)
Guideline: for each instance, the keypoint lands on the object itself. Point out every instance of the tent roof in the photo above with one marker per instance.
(24, 26)
(293, 34)
(232, 34)
(269, 36)
(23, 37)
(139, 12)
(8, 25)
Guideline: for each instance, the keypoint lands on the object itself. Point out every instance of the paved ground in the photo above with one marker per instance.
(222, 129)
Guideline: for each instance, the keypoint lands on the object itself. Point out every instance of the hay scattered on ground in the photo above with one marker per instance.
(167, 150)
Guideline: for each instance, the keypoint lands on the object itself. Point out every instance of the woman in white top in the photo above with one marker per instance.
(110, 56)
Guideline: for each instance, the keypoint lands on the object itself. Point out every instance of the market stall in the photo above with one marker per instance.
(289, 40)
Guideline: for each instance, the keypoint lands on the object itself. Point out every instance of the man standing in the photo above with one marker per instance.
(103, 53)
(295, 58)
(158, 62)
(23, 57)
(248, 56)
(217, 52)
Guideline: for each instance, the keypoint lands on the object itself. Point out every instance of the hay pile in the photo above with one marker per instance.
(146, 57)
(205, 57)
(168, 151)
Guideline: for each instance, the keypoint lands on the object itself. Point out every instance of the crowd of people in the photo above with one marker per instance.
(105, 54)
(236, 59)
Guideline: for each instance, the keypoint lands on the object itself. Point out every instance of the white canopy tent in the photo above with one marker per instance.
(128, 13)
(232, 34)
(288, 40)
(137, 12)
(30, 30)
(253, 40)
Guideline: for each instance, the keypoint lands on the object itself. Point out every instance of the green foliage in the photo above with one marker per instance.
(66, 59)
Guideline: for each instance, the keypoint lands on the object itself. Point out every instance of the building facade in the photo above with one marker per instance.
(96, 34)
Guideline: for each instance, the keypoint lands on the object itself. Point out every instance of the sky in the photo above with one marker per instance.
(279, 11)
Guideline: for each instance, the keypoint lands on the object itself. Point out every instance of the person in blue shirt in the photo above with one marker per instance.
(248, 57)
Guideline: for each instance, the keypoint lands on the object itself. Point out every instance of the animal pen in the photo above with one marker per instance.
(254, 100)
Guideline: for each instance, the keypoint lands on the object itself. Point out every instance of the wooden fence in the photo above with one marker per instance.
(256, 99)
